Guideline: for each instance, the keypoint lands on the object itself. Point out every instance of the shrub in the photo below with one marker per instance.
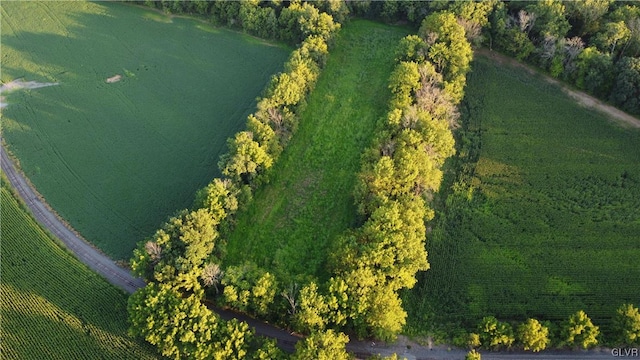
(533, 335)
(579, 330)
(626, 324)
(495, 334)
(473, 355)
(474, 340)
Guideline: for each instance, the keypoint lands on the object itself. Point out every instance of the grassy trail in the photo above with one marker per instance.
(292, 220)
(115, 159)
(552, 223)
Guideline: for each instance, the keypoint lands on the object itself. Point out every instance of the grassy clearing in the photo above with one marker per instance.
(115, 159)
(552, 224)
(291, 221)
(54, 307)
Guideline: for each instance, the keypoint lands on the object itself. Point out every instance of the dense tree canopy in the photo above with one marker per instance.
(182, 327)
(578, 330)
(176, 253)
(626, 324)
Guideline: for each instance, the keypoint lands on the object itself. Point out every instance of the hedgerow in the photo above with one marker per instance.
(183, 258)
(400, 172)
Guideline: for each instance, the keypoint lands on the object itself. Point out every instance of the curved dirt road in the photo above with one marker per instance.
(97, 261)
(122, 278)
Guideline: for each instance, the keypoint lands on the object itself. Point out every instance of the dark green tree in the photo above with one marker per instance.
(626, 87)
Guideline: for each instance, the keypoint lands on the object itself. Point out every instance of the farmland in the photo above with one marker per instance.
(52, 306)
(545, 214)
(308, 202)
(115, 158)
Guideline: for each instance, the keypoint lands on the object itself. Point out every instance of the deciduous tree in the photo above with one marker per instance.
(495, 334)
(183, 242)
(626, 324)
(533, 335)
(579, 330)
(182, 327)
(322, 345)
(246, 158)
(626, 88)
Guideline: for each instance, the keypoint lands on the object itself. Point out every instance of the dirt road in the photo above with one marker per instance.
(97, 261)
(122, 278)
(581, 98)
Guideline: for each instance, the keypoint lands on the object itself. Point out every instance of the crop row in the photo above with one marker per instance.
(53, 306)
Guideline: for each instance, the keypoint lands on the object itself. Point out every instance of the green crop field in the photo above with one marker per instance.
(552, 225)
(309, 201)
(116, 157)
(54, 307)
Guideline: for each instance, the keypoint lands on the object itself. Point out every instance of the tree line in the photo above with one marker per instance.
(400, 172)
(182, 261)
(593, 45)
(532, 335)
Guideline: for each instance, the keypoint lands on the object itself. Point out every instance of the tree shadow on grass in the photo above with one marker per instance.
(115, 159)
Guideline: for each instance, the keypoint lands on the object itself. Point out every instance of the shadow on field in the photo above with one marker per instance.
(116, 159)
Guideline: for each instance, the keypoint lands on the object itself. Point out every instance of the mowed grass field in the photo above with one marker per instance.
(116, 159)
(552, 225)
(54, 307)
(292, 220)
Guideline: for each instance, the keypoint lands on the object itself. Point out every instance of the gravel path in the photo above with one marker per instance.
(580, 97)
(410, 350)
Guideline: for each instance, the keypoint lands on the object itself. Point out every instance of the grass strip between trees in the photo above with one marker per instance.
(291, 222)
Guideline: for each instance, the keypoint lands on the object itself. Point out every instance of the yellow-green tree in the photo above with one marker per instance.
(495, 334)
(176, 253)
(322, 345)
(182, 327)
(245, 159)
(579, 330)
(449, 50)
(533, 335)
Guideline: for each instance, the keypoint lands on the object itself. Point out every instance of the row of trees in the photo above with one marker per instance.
(576, 331)
(594, 44)
(274, 20)
(182, 260)
(400, 172)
